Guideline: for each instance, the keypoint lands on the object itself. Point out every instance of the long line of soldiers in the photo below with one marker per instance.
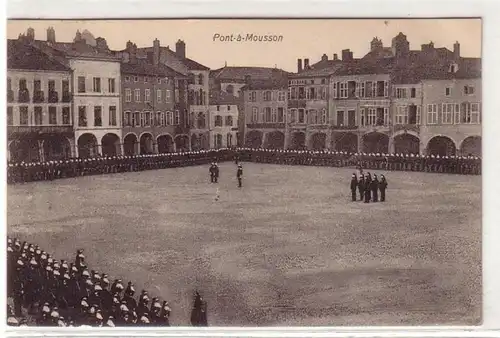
(466, 165)
(46, 171)
(58, 293)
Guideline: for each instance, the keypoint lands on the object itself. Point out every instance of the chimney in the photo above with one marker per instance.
(306, 63)
(335, 57)
(376, 44)
(132, 52)
(78, 36)
(456, 51)
(346, 55)
(51, 35)
(101, 44)
(30, 34)
(248, 78)
(324, 58)
(180, 49)
(156, 52)
(299, 65)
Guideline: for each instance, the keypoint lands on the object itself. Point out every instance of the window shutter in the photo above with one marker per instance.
(419, 115)
(386, 88)
(335, 94)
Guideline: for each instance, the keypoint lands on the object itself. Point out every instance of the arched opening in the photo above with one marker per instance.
(165, 144)
(146, 144)
(253, 139)
(195, 142)
(275, 140)
(406, 144)
(56, 147)
(298, 140)
(376, 143)
(182, 143)
(110, 145)
(318, 141)
(347, 142)
(24, 150)
(471, 146)
(442, 146)
(87, 145)
(130, 145)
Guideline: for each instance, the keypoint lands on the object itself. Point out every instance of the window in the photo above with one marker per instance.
(126, 119)
(362, 87)
(281, 96)
(351, 89)
(267, 114)
(23, 116)
(301, 94)
(372, 117)
(147, 95)
(274, 116)
(158, 95)
(52, 86)
(97, 85)
(401, 115)
(281, 114)
(413, 92)
(136, 79)
(177, 118)
(292, 93)
(81, 84)
(52, 115)
(475, 114)
(252, 96)
(293, 115)
(82, 116)
(127, 78)
(419, 115)
(468, 90)
(230, 89)
(432, 113)
(343, 90)
(218, 121)
(98, 116)
(167, 96)
(200, 79)
(228, 108)
(229, 121)
(401, 93)
(38, 116)
(137, 93)
(146, 79)
(66, 119)
(144, 119)
(302, 117)
(201, 121)
(340, 118)
(158, 80)
(324, 116)
(170, 118)
(255, 115)
(10, 116)
(135, 119)
(369, 89)
(128, 95)
(112, 116)
(323, 93)
(447, 91)
(313, 116)
(471, 113)
(351, 118)
(218, 108)
(447, 113)
(111, 85)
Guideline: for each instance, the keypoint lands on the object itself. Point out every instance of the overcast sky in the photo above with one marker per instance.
(301, 38)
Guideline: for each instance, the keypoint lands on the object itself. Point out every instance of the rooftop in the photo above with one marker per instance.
(239, 74)
(25, 56)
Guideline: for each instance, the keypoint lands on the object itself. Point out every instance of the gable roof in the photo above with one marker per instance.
(77, 49)
(187, 62)
(273, 83)
(24, 56)
(142, 67)
(238, 74)
(222, 98)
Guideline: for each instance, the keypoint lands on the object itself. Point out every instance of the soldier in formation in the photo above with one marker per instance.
(369, 187)
(61, 293)
(239, 175)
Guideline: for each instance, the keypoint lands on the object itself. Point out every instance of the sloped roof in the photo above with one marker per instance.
(24, 56)
(189, 63)
(319, 72)
(239, 73)
(222, 98)
(77, 49)
(142, 67)
(274, 83)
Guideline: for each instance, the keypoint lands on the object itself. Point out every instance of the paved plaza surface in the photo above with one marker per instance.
(289, 248)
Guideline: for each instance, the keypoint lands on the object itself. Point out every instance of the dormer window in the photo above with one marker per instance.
(453, 68)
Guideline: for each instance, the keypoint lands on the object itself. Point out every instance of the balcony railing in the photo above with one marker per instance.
(53, 97)
(66, 97)
(23, 96)
(38, 96)
(10, 96)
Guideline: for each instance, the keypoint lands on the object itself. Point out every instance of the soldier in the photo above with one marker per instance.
(382, 186)
(216, 172)
(198, 314)
(374, 187)
(239, 175)
(354, 186)
(367, 188)
(361, 187)
(211, 170)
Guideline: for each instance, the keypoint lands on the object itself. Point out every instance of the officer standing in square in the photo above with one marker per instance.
(239, 175)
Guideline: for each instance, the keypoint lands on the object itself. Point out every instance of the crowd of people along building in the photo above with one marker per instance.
(82, 99)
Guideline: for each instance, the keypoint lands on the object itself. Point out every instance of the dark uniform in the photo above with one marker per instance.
(354, 186)
(367, 184)
(382, 186)
(239, 175)
(374, 186)
(361, 187)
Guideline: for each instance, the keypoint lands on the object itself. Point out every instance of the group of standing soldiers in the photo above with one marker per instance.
(214, 172)
(58, 293)
(46, 171)
(368, 187)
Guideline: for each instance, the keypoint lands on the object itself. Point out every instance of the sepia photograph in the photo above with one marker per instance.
(244, 172)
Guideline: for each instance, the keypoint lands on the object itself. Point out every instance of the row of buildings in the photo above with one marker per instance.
(79, 98)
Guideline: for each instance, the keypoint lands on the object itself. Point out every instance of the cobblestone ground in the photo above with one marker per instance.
(289, 248)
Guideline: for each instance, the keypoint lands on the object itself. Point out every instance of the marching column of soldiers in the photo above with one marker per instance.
(62, 293)
(46, 171)
(368, 187)
(464, 165)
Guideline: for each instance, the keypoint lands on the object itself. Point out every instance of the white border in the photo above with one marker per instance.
(488, 10)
